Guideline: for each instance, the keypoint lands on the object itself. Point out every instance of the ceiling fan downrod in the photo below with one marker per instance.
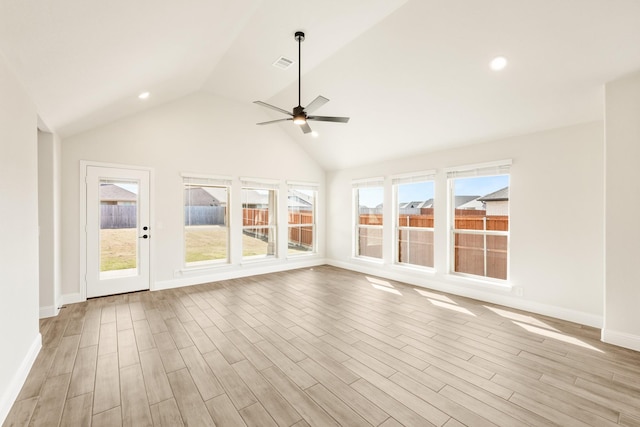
(300, 115)
(299, 36)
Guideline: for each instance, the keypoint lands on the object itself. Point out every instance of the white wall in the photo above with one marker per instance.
(622, 284)
(203, 134)
(556, 254)
(18, 237)
(49, 220)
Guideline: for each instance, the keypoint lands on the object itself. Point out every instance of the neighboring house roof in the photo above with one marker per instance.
(298, 199)
(417, 204)
(254, 197)
(301, 196)
(198, 196)
(114, 193)
(426, 204)
(218, 193)
(474, 204)
(497, 196)
(462, 201)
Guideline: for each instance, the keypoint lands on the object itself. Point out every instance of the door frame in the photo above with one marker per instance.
(83, 219)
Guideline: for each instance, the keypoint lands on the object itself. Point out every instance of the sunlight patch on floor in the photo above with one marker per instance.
(386, 289)
(452, 307)
(433, 295)
(382, 285)
(519, 317)
(556, 336)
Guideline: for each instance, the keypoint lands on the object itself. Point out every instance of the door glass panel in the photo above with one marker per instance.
(118, 228)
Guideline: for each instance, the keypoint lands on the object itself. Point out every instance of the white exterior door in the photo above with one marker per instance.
(117, 230)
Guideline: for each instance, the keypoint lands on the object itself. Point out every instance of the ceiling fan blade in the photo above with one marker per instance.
(316, 103)
(305, 127)
(274, 121)
(273, 107)
(329, 119)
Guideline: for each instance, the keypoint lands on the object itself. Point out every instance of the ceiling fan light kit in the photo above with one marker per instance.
(300, 115)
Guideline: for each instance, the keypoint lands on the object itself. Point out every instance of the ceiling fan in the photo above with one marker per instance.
(300, 114)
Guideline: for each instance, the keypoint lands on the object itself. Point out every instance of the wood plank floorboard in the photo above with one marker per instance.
(319, 347)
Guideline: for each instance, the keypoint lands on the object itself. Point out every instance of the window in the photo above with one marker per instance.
(301, 207)
(259, 218)
(368, 202)
(414, 196)
(206, 220)
(480, 220)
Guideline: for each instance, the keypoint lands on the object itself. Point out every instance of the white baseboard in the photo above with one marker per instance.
(49, 311)
(494, 295)
(11, 393)
(215, 274)
(71, 298)
(621, 339)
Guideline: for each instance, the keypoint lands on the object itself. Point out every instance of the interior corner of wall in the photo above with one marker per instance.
(621, 339)
(10, 394)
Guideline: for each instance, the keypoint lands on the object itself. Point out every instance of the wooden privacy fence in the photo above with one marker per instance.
(205, 215)
(299, 234)
(118, 216)
(472, 252)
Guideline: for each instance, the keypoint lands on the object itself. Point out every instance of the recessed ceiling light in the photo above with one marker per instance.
(314, 134)
(144, 95)
(498, 63)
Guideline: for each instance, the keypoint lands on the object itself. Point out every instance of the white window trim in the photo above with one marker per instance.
(207, 181)
(408, 178)
(269, 185)
(293, 185)
(355, 186)
(260, 183)
(501, 167)
(202, 179)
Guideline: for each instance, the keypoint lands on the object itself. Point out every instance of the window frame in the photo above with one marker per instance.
(500, 168)
(272, 226)
(356, 186)
(190, 179)
(314, 242)
(396, 182)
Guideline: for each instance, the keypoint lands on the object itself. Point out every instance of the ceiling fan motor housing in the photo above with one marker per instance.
(298, 111)
(299, 115)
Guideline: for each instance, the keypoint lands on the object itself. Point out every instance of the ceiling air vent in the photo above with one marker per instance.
(283, 63)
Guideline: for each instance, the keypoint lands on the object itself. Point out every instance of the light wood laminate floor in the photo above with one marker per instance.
(321, 347)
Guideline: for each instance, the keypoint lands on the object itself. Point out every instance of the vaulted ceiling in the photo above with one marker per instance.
(413, 75)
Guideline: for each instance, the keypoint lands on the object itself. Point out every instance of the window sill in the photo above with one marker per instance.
(368, 259)
(486, 283)
(301, 255)
(414, 268)
(204, 266)
(257, 259)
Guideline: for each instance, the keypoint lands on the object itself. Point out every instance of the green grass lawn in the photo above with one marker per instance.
(118, 249)
(203, 243)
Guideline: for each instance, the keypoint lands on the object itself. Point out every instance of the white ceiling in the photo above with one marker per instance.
(412, 74)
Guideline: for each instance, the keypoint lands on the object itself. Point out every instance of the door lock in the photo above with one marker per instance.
(144, 236)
